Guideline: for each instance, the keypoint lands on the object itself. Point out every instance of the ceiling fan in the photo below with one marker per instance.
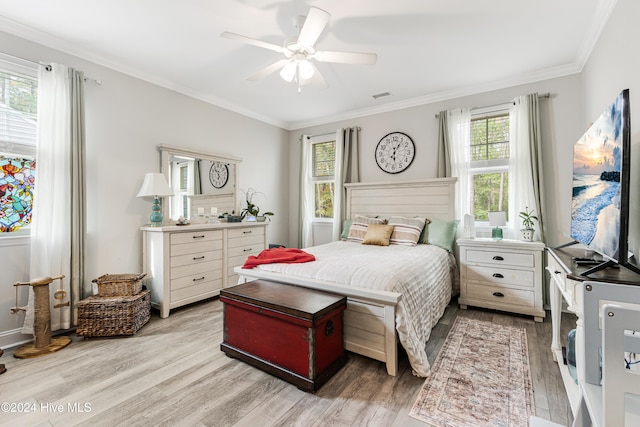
(297, 66)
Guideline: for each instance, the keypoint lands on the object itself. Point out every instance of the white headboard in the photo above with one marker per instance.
(430, 198)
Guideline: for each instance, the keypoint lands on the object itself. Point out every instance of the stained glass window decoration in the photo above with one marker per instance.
(17, 182)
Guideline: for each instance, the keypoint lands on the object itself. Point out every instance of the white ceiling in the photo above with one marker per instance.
(428, 50)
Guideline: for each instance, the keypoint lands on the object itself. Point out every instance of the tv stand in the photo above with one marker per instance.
(597, 264)
(566, 281)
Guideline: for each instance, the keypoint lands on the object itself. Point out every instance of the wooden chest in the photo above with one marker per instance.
(290, 332)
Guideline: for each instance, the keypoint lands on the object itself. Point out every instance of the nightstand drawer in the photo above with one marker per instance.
(500, 275)
(501, 258)
(501, 295)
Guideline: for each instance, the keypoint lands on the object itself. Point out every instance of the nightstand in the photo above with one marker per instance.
(502, 275)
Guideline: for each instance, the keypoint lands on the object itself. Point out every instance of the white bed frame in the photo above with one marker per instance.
(369, 321)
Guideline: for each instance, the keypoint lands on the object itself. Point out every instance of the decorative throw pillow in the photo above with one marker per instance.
(406, 231)
(441, 233)
(359, 227)
(346, 226)
(377, 234)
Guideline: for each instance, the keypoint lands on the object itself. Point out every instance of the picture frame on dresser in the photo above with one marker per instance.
(506, 275)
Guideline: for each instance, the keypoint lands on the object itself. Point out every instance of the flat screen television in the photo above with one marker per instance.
(600, 201)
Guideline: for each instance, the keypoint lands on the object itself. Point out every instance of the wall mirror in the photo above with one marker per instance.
(203, 183)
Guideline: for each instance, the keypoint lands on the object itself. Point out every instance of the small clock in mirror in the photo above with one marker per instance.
(395, 152)
(218, 174)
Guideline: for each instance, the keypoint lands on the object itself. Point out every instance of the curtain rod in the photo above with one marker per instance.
(541, 95)
(48, 67)
(328, 133)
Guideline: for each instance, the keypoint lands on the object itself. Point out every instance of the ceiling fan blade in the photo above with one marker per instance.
(346, 57)
(267, 70)
(316, 20)
(249, 40)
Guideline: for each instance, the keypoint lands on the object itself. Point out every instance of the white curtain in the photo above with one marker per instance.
(55, 206)
(459, 123)
(306, 194)
(521, 186)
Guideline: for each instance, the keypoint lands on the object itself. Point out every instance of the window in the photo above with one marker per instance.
(182, 171)
(323, 173)
(489, 167)
(18, 123)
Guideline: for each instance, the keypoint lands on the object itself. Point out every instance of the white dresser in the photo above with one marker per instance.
(185, 264)
(502, 275)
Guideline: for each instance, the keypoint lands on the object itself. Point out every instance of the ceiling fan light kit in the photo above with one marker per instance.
(298, 66)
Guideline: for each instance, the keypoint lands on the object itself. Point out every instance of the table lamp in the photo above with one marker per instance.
(497, 220)
(155, 185)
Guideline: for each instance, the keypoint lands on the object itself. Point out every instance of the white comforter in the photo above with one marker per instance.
(425, 276)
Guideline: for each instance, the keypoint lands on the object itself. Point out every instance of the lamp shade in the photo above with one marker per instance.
(154, 185)
(497, 219)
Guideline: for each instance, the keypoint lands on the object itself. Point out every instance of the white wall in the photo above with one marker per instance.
(126, 118)
(614, 65)
(561, 127)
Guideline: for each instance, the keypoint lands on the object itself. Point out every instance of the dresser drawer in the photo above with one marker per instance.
(501, 258)
(195, 236)
(194, 269)
(194, 248)
(245, 232)
(500, 295)
(195, 258)
(196, 279)
(195, 290)
(500, 275)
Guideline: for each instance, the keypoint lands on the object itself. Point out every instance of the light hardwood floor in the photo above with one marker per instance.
(172, 373)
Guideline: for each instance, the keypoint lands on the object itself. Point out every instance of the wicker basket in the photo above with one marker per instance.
(110, 285)
(112, 316)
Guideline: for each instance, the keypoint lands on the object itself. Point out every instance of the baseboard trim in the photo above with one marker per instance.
(14, 338)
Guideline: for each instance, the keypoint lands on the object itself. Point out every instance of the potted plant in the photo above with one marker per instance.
(252, 211)
(528, 219)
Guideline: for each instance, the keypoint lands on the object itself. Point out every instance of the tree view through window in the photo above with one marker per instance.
(324, 158)
(490, 165)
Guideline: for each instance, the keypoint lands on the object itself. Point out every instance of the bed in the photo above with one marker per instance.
(394, 293)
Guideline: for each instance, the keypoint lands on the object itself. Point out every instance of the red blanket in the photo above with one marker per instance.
(278, 255)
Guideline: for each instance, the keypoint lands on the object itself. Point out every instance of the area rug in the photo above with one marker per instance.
(481, 377)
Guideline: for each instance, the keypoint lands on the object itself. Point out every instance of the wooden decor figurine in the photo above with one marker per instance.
(43, 343)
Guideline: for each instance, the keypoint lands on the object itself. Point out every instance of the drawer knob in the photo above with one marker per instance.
(197, 279)
(195, 258)
(247, 250)
(498, 294)
(498, 275)
(247, 232)
(498, 258)
(557, 272)
(199, 237)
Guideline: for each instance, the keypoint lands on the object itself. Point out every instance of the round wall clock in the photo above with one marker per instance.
(395, 152)
(218, 174)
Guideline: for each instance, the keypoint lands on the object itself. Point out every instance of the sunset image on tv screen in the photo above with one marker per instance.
(597, 168)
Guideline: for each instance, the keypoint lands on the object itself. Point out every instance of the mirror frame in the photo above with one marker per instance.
(166, 151)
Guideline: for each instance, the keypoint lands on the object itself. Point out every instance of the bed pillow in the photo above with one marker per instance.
(441, 233)
(377, 234)
(359, 227)
(406, 231)
(346, 226)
